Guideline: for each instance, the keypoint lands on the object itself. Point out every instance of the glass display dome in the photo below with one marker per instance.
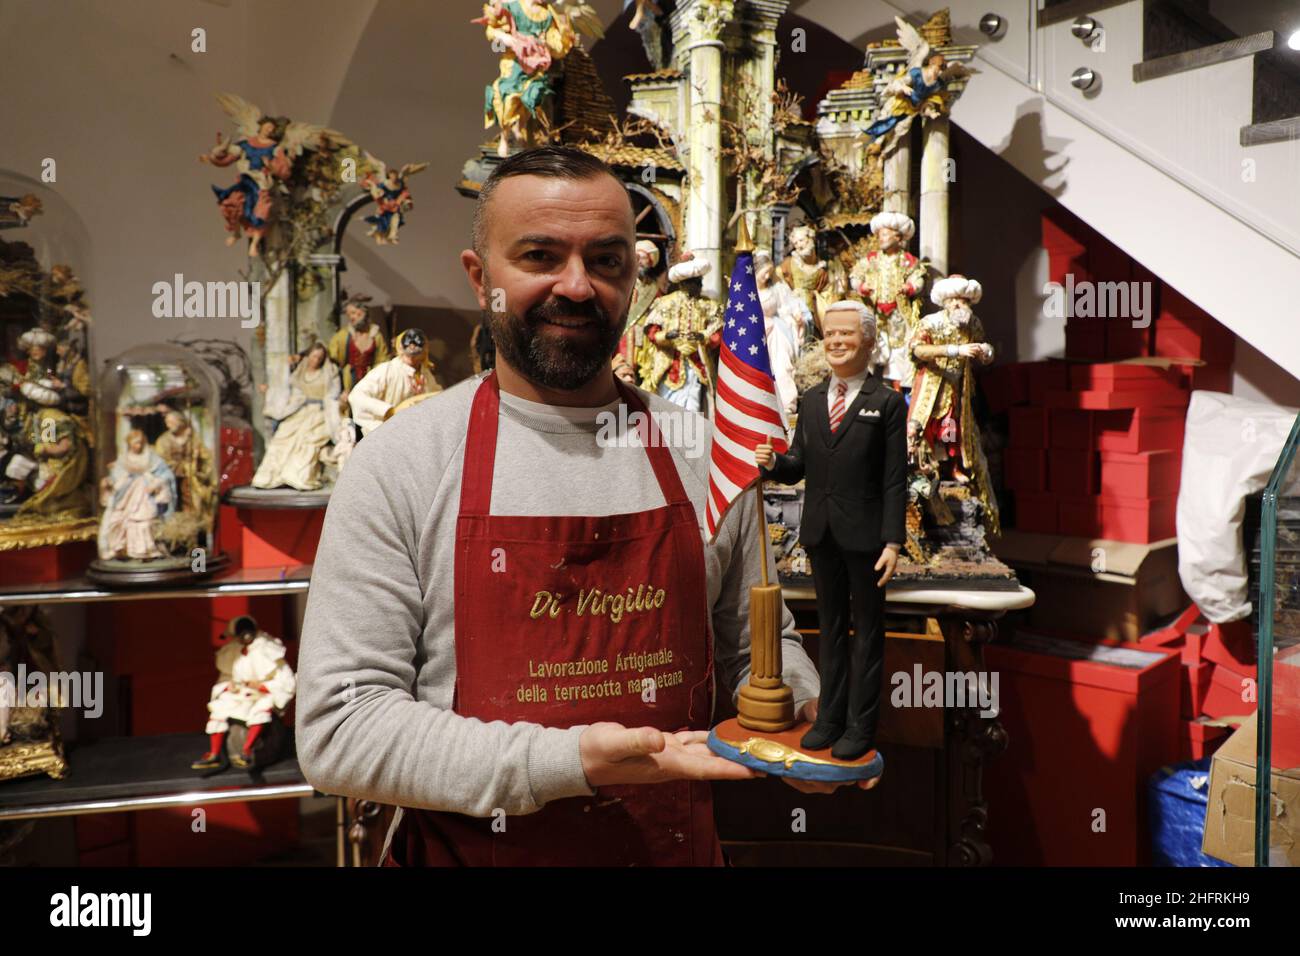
(158, 474)
(46, 393)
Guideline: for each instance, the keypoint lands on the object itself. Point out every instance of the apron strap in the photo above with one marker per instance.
(481, 449)
(661, 459)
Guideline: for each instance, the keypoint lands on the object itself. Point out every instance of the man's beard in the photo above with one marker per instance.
(547, 361)
(960, 315)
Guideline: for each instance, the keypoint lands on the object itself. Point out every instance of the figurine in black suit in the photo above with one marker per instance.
(850, 444)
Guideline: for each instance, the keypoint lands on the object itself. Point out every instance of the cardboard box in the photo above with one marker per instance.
(1138, 430)
(1093, 587)
(1070, 428)
(1090, 723)
(1072, 472)
(1147, 474)
(1028, 425)
(1138, 519)
(1230, 818)
(1024, 469)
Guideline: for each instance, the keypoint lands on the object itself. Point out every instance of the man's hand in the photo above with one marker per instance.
(614, 754)
(888, 562)
(764, 456)
(809, 713)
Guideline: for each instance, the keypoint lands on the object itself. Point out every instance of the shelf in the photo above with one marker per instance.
(240, 581)
(120, 774)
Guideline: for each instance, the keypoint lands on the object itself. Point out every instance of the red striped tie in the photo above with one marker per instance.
(837, 406)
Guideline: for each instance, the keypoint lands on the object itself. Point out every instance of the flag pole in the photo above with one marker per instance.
(744, 243)
(765, 703)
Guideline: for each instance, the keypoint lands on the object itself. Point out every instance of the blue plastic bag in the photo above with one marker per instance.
(1177, 797)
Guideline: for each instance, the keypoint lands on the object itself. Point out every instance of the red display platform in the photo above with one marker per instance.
(271, 537)
(46, 565)
(1089, 724)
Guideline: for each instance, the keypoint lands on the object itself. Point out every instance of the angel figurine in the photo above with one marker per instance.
(264, 155)
(918, 89)
(532, 36)
(387, 187)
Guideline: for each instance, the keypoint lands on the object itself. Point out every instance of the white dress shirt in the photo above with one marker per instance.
(854, 386)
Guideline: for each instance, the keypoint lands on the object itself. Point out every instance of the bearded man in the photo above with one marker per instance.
(515, 622)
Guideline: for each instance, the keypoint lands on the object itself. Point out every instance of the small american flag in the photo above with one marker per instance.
(747, 412)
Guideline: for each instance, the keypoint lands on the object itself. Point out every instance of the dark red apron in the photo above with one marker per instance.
(552, 637)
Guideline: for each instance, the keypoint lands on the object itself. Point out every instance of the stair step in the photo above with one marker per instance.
(1060, 12)
(1203, 56)
(1277, 131)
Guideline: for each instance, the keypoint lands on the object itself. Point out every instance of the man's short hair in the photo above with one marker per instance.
(552, 162)
(867, 321)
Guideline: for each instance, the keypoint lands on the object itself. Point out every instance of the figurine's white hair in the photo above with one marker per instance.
(864, 315)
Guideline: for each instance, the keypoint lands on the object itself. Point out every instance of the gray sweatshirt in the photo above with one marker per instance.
(377, 663)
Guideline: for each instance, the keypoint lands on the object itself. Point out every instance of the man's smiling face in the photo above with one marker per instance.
(558, 260)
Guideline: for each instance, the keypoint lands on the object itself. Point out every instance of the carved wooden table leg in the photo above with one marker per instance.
(367, 831)
(971, 739)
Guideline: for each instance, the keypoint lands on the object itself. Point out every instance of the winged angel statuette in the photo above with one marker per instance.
(920, 88)
(265, 151)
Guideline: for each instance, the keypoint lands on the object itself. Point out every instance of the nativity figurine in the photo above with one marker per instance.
(400, 380)
(254, 686)
(307, 418)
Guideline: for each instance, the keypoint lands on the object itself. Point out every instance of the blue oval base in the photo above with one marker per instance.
(779, 754)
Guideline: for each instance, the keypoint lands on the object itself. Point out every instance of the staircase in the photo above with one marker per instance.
(1185, 152)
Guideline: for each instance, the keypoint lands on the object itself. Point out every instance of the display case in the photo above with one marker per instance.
(46, 395)
(1277, 764)
(157, 477)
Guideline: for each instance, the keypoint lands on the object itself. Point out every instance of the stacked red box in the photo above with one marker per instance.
(1185, 330)
(1096, 441)
(1218, 677)
(1096, 450)
(1091, 723)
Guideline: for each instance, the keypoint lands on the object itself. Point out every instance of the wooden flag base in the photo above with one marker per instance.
(765, 702)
